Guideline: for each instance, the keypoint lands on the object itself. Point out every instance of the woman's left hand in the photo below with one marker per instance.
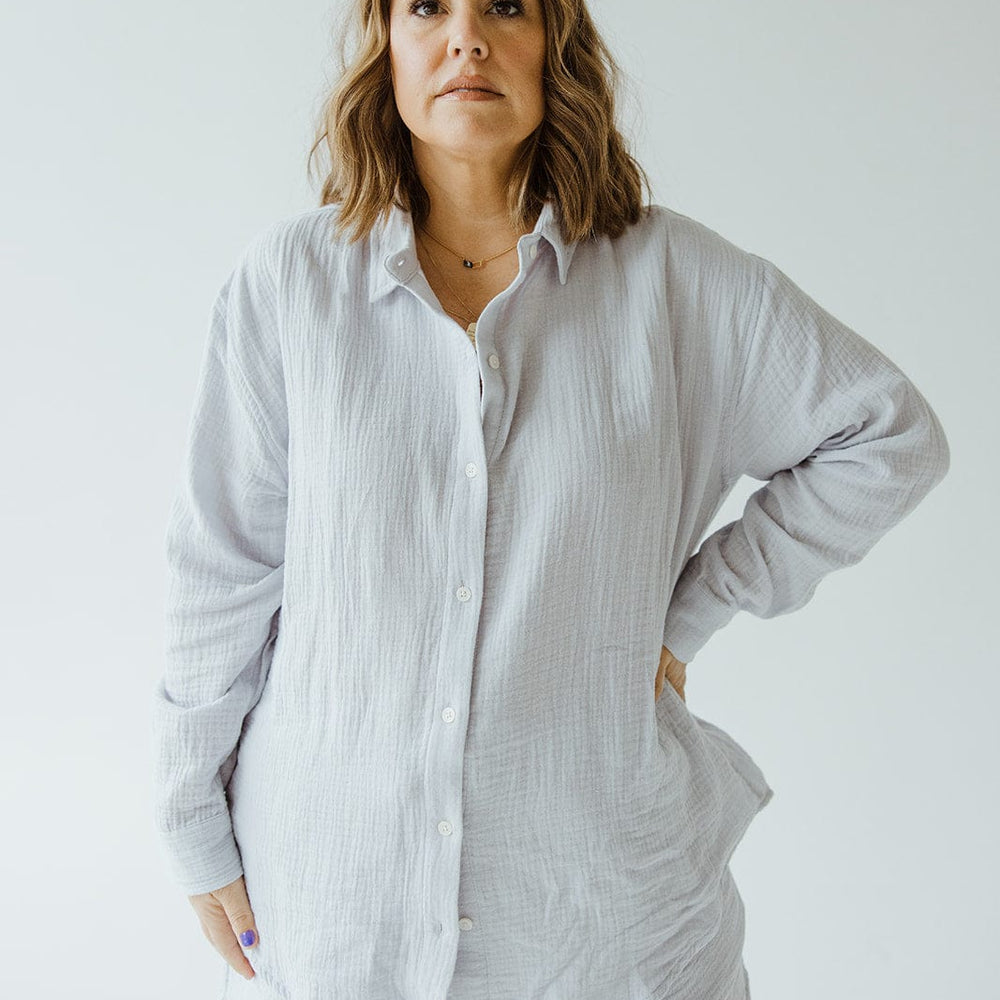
(673, 670)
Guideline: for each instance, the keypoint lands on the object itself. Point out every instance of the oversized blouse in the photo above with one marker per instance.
(413, 623)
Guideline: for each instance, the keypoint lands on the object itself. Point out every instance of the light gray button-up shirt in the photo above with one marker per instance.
(413, 629)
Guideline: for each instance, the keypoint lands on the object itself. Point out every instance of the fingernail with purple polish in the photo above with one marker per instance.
(247, 938)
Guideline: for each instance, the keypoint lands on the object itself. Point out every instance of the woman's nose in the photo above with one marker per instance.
(467, 34)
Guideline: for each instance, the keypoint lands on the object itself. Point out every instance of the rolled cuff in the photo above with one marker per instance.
(203, 857)
(694, 616)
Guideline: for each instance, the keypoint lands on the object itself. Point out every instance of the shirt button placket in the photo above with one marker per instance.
(445, 779)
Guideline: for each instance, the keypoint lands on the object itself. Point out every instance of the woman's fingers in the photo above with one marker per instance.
(227, 921)
(672, 671)
(237, 906)
(677, 675)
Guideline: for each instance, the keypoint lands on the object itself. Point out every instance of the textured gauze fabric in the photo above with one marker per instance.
(412, 628)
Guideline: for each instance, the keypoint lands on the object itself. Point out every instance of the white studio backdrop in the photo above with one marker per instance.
(855, 144)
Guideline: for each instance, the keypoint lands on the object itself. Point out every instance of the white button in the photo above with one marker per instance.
(494, 361)
(448, 715)
(463, 593)
(400, 261)
(444, 828)
(464, 923)
(471, 470)
(533, 252)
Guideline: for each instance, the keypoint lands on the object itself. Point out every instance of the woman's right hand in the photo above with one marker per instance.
(671, 670)
(227, 921)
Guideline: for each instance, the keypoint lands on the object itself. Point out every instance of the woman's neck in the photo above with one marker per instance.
(468, 207)
(473, 234)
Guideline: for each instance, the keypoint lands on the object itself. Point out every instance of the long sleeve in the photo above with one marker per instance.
(848, 447)
(225, 546)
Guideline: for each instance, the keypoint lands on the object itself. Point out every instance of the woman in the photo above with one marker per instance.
(457, 435)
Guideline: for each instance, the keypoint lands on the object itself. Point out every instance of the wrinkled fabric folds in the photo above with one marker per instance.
(412, 631)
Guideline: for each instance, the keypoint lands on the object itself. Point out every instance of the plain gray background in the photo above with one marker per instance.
(852, 143)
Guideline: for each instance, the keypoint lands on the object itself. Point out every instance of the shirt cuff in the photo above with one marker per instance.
(694, 615)
(203, 857)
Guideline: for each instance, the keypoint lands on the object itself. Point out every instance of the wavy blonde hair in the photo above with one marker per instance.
(576, 156)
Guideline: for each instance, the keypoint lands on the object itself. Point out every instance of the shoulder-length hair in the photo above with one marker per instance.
(576, 156)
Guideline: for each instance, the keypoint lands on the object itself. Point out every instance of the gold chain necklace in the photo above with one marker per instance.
(469, 314)
(465, 260)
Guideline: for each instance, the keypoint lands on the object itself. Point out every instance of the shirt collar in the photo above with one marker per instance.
(393, 248)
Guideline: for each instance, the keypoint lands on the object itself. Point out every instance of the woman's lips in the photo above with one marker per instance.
(471, 95)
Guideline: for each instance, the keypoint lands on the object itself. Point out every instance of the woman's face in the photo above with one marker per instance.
(430, 42)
